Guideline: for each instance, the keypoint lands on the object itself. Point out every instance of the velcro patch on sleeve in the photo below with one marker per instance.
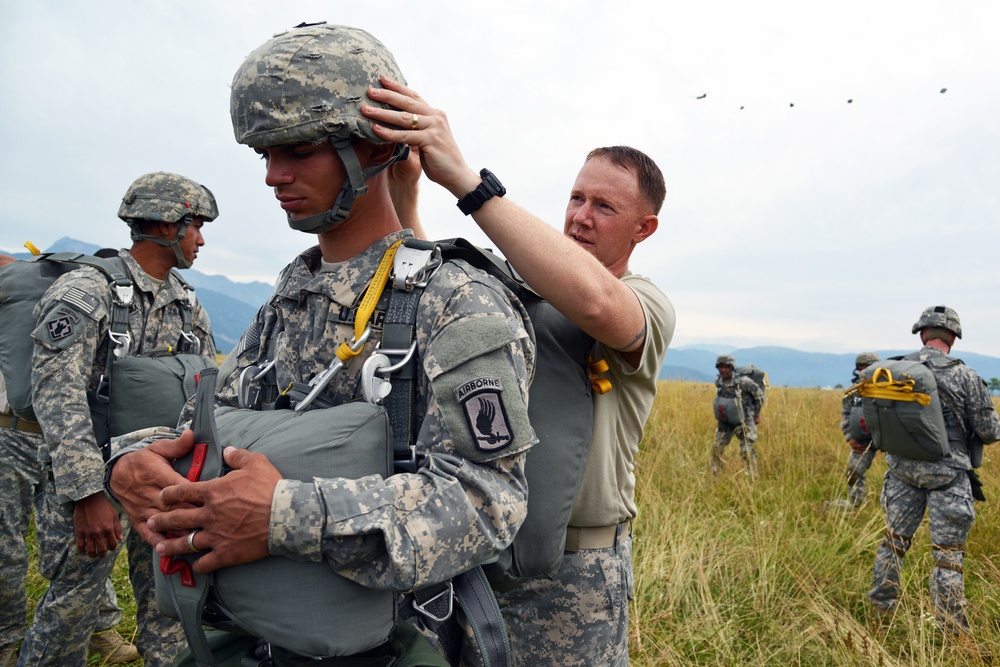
(482, 404)
(80, 300)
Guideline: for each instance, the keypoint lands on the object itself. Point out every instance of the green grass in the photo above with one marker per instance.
(735, 572)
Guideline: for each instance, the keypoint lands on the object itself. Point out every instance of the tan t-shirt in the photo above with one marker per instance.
(607, 494)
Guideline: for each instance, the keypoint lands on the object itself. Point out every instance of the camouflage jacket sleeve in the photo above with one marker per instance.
(845, 417)
(67, 360)
(981, 413)
(463, 506)
(750, 390)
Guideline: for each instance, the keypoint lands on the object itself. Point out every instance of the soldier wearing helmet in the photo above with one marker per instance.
(944, 489)
(296, 101)
(71, 362)
(738, 403)
(859, 438)
(161, 208)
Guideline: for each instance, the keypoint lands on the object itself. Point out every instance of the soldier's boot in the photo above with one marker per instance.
(8, 655)
(112, 647)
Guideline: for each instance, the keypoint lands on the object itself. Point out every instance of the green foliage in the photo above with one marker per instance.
(732, 571)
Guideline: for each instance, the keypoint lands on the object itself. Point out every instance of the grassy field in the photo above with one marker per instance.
(731, 571)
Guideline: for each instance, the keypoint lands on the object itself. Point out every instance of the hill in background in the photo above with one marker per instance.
(231, 305)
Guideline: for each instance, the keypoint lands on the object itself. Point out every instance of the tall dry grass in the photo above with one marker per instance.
(735, 571)
(732, 571)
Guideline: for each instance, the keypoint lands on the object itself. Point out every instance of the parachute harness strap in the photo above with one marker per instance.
(882, 385)
(362, 330)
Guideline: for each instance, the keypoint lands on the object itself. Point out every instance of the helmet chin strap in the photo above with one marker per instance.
(354, 185)
(174, 243)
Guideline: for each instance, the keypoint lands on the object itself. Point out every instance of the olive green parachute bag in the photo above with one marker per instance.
(902, 409)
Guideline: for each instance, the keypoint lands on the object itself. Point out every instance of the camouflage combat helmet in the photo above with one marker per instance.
(941, 317)
(164, 197)
(725, 360)
(307, 85)
(865, 359)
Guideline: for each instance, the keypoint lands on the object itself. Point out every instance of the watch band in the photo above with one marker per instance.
(485, 191)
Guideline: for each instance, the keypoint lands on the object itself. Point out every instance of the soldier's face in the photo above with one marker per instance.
(606, 213)
(306, 177)
(193, 240)
(725, 371)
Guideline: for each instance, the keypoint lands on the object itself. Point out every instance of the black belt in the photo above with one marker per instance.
(15, 423)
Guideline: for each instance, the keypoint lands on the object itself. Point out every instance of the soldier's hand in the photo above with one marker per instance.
(856, 446)
(138, 478)
(756, 420)
(98, 528)
(231, 515)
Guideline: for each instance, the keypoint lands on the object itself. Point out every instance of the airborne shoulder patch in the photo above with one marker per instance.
(482, 404)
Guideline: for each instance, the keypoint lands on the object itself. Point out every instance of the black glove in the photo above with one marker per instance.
(977, 486)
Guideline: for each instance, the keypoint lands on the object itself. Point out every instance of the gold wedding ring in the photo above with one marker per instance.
(414, 118)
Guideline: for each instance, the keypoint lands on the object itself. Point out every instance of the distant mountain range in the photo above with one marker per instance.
(792, 368)
(231, 305)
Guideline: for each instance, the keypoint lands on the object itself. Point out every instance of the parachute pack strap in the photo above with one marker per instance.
(594, 370)
(882, 385)
(399, 334)
(369, 301)
(476, 598)
(189, 591)
(193, 345)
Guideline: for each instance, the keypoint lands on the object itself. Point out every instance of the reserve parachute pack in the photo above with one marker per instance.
(148, 390)
(728, 409)
(902, 409)
(328, 614)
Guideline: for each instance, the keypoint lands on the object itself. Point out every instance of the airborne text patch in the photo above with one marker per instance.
(482, 402)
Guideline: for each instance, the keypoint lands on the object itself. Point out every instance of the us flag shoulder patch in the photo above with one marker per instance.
(482, 404)
(80, 300)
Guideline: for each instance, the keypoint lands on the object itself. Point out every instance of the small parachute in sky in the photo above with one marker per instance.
(791, 104)
(702, 96)
(944, 90)
(849, 101)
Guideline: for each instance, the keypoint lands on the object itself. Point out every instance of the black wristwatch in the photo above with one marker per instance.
(490, 187)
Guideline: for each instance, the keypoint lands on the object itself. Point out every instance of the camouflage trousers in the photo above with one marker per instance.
(857, 474)
(69, 611)
(579, 618)
(948, 504)
(747, 435)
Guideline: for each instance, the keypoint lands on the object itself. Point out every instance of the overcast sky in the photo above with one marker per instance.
(793, 216)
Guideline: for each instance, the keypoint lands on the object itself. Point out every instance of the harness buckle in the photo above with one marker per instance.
(414, 267)
(192, 341)
(323, 379)
(375, 382)
(123, 343)
(424, 607)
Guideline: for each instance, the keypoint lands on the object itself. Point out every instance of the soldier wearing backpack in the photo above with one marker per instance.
(458, 502)
(859, 439)
(73, 350)
(943, 489)
(737, 406)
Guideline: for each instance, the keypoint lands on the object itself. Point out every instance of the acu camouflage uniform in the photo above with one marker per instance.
(70, 356)
(857, 464)
(751, 399)
(22, 488)
(942, 490)
(463, 505)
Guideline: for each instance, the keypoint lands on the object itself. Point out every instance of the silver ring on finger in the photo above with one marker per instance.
(190, 541)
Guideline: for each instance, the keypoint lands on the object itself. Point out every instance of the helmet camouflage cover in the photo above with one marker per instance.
(307, 83)
(865, 359)
(164, 197)
(941, 317)
(725, 360)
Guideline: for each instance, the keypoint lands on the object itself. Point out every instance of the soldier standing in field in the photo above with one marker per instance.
(945, 489)
(737, 407)
(859, 439)
(83, 533)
